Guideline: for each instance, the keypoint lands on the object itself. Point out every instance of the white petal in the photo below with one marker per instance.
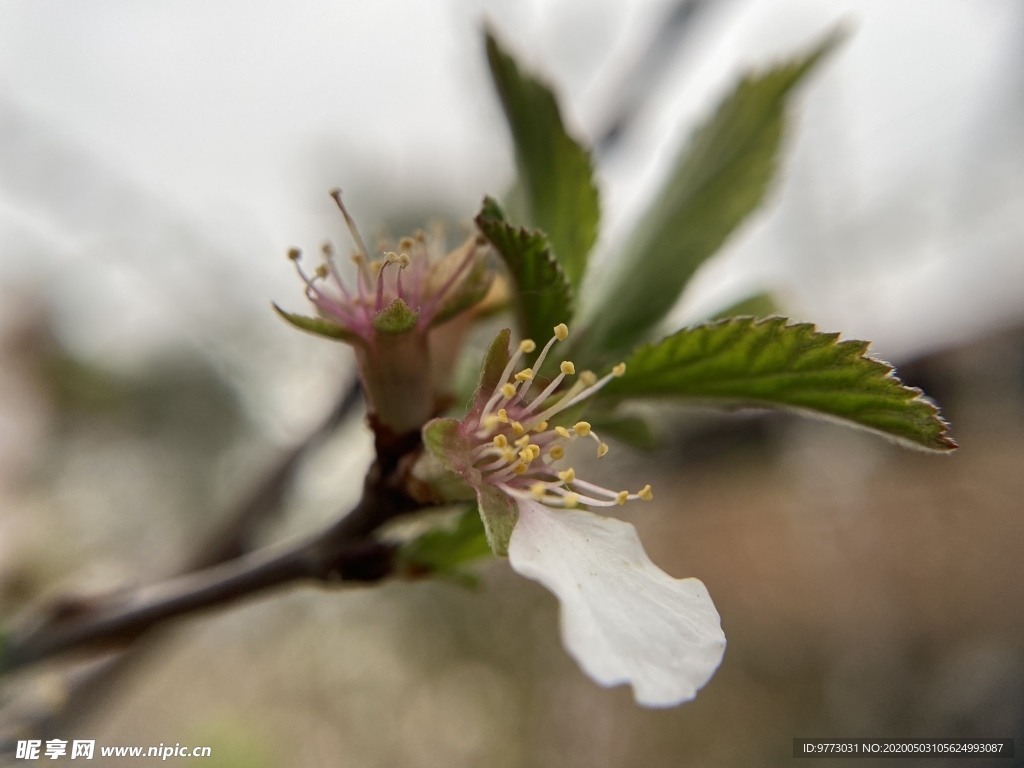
(624, 619)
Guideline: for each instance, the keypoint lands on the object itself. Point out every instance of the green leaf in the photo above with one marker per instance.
(758, 305)
(396, 317)
(320, 327)
(543, 296)
(771, 364)
(555, 169)
(720, 177)
(499, 514)
(444, 549)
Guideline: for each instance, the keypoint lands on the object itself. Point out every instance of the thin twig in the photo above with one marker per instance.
(84, 688)
(327, 557)
(344, 551)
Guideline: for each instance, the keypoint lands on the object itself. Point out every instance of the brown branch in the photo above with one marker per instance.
(84, 688)
(344, 551)
(118, 623)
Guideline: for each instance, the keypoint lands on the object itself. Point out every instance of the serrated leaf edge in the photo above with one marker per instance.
(887, 371)
(492, 214)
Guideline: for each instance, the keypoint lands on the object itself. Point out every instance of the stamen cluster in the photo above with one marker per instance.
(417, 275)
(517, 449)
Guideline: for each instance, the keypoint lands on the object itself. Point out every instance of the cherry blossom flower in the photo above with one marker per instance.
(390, 311)
(624, 620)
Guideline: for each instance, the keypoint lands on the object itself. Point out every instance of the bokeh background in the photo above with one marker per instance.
(157, 160)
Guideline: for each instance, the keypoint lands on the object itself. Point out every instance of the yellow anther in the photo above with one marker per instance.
(537, 490)
(588, 378)
(567, 476)
(520, 469)
(527, 346)
(517, 428)
(491, 422)
(602, 449)
(561, 331)
(645, 493)
(570, 500)
(294, 254)
(404, 260)
(500, 441)
(503, 416)
(557, 452)
(525, 375)
(619, 369)
(567, 368)
(405, 244)
(541, 427)
(523, 441)
(508, 455)
(535, 449)
(420, 236)
(581, 428)
(390, 256)
(526, 455)
(563, 432)
(327, 249)
(357, 259)
(377, 266)
(508, 390)
(621, 496)
(322, 271)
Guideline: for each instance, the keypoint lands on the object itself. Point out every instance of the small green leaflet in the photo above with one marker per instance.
(771, 364)
(543, 296)
(444, 549)
(494, 363)
(319, 326)
(720, 177)
(499, 514)
(555, 170)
